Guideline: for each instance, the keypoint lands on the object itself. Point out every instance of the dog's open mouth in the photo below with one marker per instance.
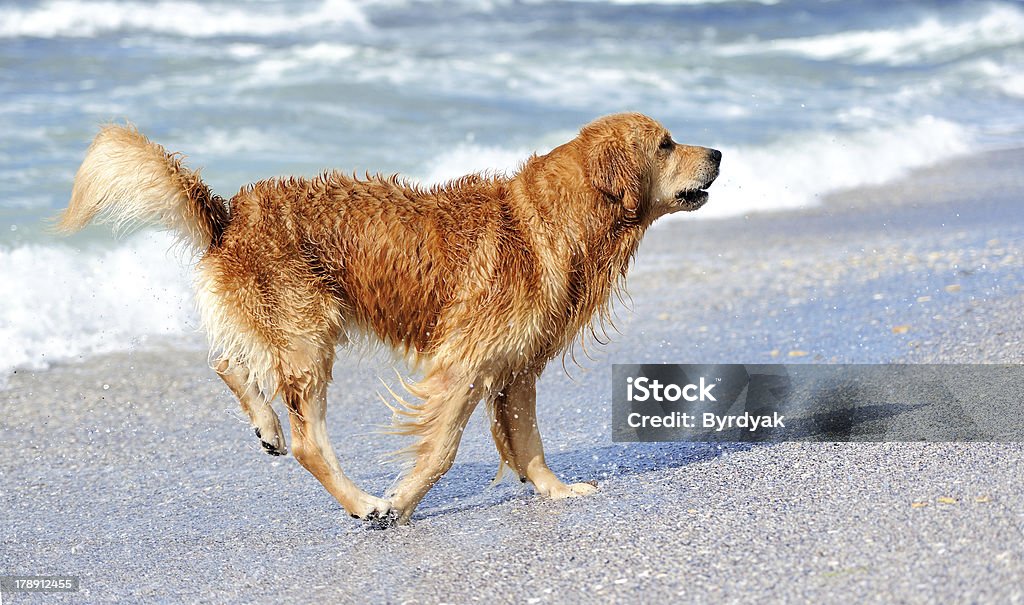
(691, 199)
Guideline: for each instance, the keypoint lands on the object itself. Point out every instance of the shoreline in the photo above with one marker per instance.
(983, 177)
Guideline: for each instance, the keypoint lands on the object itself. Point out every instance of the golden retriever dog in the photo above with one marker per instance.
(478, 282)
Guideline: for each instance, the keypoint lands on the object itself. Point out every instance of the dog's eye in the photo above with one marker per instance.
(666, 144)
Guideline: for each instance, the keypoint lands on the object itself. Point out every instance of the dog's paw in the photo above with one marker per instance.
(272, 445)
(385, 520)
(377, 512)
(574, 490)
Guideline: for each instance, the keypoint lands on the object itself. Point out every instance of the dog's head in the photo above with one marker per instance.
(632, 160)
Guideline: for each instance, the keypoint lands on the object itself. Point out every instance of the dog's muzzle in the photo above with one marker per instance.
(692, 199)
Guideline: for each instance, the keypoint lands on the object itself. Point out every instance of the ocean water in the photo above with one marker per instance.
(802, 97)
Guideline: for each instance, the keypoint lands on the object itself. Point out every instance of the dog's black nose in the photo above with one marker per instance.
(716, 155)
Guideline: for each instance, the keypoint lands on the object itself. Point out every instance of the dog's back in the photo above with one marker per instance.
(376, 256)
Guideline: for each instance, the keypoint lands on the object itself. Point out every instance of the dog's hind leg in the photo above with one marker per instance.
(305, 394)
(502, 439)
(449, 400)
(255, 405)
(518, 439)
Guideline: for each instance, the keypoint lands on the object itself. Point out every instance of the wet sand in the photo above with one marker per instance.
(137, 472)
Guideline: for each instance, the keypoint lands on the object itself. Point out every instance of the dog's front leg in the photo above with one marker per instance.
(448, 401)
(517, 436)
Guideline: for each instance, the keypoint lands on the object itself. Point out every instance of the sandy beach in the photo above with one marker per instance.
(137, 473)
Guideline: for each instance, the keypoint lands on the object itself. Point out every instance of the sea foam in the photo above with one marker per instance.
(932, 38)
(63, 303)
(76, 18)
(797, 170)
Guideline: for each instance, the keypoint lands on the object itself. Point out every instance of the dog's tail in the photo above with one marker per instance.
(128, 180)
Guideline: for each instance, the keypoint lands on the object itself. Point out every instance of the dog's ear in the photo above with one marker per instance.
(614, 170)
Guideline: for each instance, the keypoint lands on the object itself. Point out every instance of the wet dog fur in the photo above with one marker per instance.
(479, 282)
